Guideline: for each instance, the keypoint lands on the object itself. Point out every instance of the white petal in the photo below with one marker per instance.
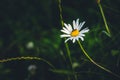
(64, 35)
(77, 38)
(81, 34)
(68, 39)
(74, 24)
(67, 32)
(74, 40)
(81, 38)
(84, 30)
(77, 22)
(67, 27)
(70, 28)
(81, 25)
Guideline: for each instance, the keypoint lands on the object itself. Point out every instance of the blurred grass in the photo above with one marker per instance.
(38, 21)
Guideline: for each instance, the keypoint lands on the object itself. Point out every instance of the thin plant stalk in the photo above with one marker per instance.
(104, 19)
(27, 58)
(86, 54)
(69, 56)
(66, 44)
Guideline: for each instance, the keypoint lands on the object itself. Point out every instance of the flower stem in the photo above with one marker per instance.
(69, 56)
(104, 19)
(86, 54)
(66, 44)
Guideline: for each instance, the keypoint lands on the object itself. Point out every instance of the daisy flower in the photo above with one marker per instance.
(74, 32)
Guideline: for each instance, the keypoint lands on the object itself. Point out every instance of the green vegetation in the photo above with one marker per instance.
(31, 47)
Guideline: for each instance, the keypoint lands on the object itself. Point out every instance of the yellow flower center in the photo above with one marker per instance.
(75, 33)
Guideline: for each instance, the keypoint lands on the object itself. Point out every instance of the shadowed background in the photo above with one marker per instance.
(32, 28)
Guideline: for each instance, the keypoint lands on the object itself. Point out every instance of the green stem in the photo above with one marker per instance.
(104, 19)
(105, 69)
(66, 44)
(69, 56)
(60, 9)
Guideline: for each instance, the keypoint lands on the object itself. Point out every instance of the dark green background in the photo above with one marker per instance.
(38, 21)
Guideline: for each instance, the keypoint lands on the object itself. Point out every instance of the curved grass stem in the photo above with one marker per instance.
(105, 69)
(27, 58)
(104, 19)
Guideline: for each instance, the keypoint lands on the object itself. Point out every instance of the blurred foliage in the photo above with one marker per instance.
(32, 28)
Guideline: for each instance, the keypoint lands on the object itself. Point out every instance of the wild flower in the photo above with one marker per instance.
(74, 32)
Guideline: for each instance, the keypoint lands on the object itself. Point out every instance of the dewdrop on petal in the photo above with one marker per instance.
(74, 32)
